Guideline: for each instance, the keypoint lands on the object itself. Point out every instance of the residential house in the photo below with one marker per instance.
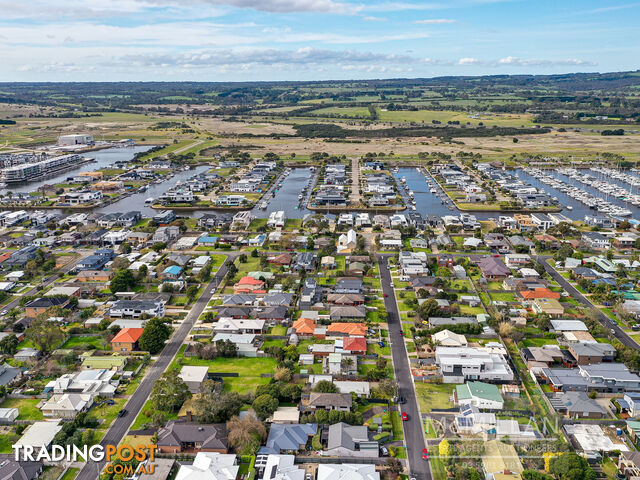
(137, 308)
(458, 364)
(345, 440)
(193, 376)
(41, 305)
(330, 401)
(479, 394)
(493, 268)
(126, 340)
(288, 438)
(66, 405)
(577, 405)
(188, 437)
(207, 466)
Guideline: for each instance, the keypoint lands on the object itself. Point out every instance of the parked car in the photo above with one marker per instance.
(384, 452)
(425, 454)
(405, 417)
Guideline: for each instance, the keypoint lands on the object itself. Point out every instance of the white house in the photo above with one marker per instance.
(459, 364)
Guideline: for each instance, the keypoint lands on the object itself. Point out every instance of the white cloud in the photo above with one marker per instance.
(435, 21)
(519, 62)
(469, 61)
(280, 6)
(374, 19)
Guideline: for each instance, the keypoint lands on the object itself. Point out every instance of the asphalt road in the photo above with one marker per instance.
(413, 430)
(606, 322)
(121, 425)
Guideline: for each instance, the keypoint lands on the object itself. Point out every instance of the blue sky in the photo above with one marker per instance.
(244, 40)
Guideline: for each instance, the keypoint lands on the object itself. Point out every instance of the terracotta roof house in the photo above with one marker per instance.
(538, 293)
(493, 268)
(304, 327)
(182, 437)
(347, 329)
(126, 340)
(355, 345)
(283, 259)
(249, 285)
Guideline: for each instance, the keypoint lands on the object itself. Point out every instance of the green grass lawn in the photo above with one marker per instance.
(437, 468)
(84, 341)
(248, 369)
(396, 426)
(538, 342)
(70, 474)
(278, 330)
(503, 297)
(26, 406)
(6, 442)
(432, 395)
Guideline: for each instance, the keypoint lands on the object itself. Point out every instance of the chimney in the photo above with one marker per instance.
(189, 416)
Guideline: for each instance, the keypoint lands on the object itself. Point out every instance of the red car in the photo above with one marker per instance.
(385, 295)
(404, 416)
(425, 454)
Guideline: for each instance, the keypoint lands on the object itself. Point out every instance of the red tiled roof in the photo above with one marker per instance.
(128, 335)
(354, 344)
(359, 329)
(304, 326)
(540, 293)
(250, 281)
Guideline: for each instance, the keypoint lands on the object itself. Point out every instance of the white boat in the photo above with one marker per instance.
(148, 200)
(569, 207)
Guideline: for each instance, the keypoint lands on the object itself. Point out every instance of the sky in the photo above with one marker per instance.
(260, 40)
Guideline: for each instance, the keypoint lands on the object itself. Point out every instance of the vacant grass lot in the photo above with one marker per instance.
(26, 406)
(432, 396)
(86, 341)
(248, 369)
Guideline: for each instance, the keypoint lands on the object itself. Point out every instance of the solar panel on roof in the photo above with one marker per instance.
(465, 421)
(466, 410)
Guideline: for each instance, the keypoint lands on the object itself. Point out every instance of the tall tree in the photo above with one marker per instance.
(155, 333)
(169, 393)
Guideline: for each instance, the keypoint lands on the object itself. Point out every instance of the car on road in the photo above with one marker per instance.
(405, 417)
(613, 332)
(4, 312)
(425, 454)
(122, 413)
(385, 295)
(401, 400)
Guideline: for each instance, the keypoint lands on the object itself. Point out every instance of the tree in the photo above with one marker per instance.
(265, 405)
(325, 386)
(217, 408)
(571, 466)
(122, 281)
(505, 329)
(245, 434)
(387, 387)
(169, 393)
(155, 333)
(9, 345)
(226, 348)
(143, 271)
(428, 309)
(282, 374)
(242, 258)
(535, 475)
(191, 292)
(44, 334)
(158, 247)
(394, 465)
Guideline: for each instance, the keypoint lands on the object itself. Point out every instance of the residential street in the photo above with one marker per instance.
(606, 322)
(413, 429)
(121, 425)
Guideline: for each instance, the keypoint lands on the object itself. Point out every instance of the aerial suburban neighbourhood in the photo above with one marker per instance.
(298, 240)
